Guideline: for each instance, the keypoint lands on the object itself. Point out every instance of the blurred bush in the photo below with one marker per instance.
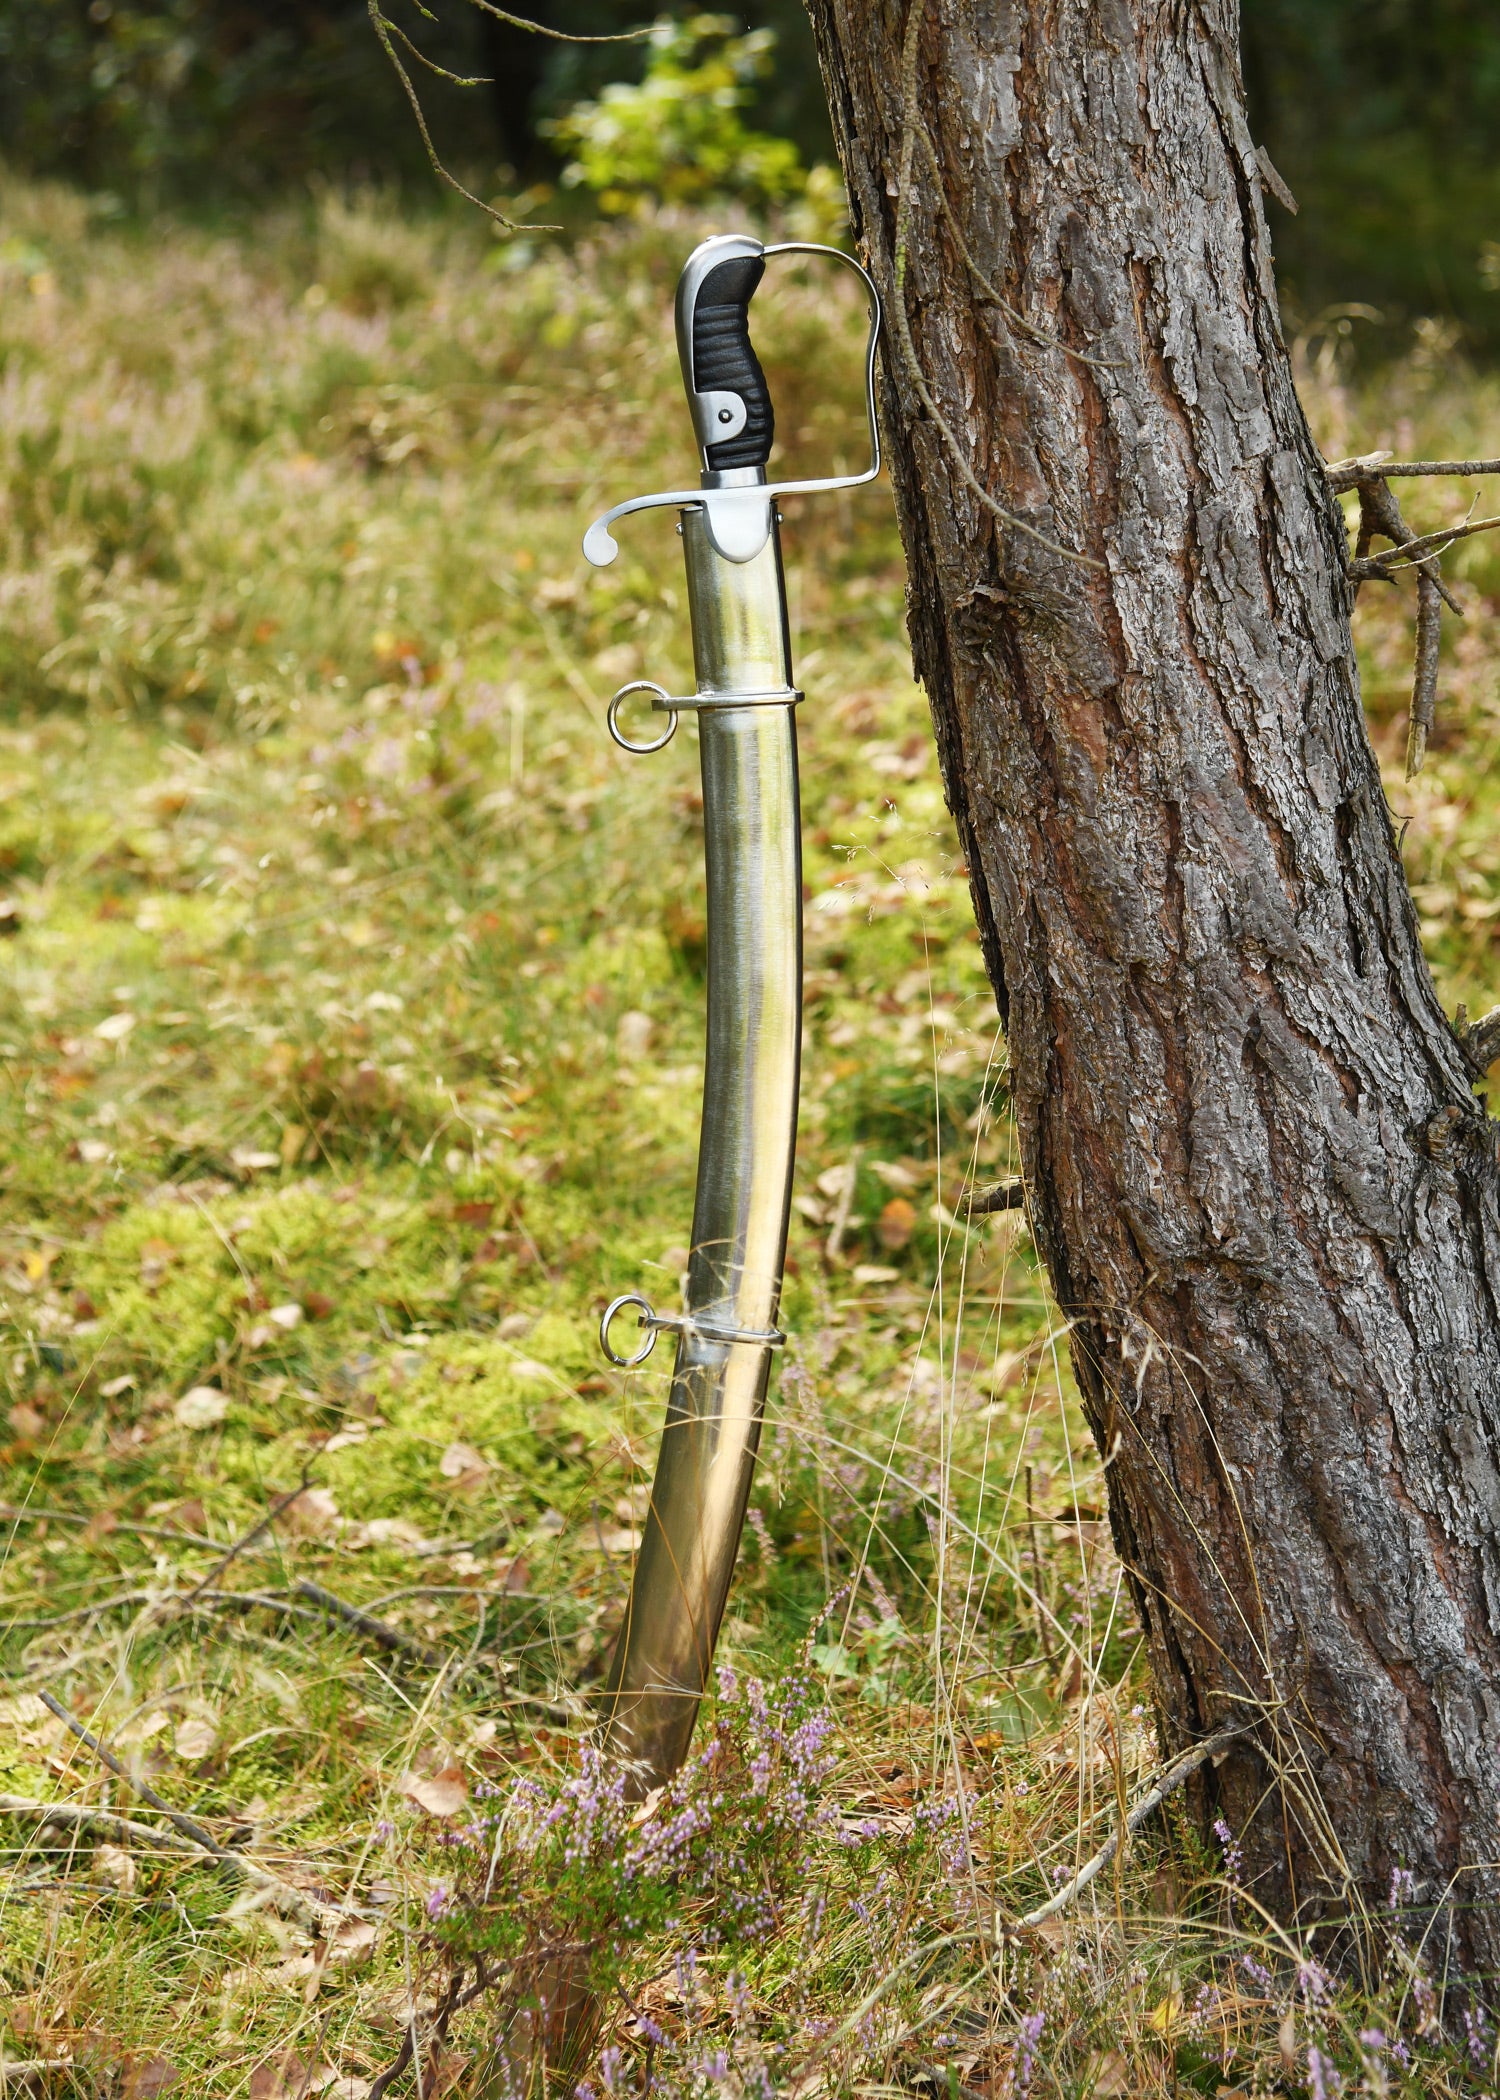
(679, 134)
(199, 100)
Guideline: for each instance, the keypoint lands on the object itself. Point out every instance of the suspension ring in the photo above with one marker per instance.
(647, 1320)
(663, 700)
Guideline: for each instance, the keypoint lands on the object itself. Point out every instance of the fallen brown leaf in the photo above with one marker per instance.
(444, 1794)
(282, 2077)
(143, 2081)
(314, 1515)
(1111, 2077)
(195, 1738)
(896, 1224)
(462, 1459)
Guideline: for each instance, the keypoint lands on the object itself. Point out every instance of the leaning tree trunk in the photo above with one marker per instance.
(1255, 1165)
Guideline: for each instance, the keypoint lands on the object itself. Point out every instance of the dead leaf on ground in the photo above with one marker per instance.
(1111, 2077)
(285, 2077)
(351, 1939)
(195, 1739)
(314, 1515)
(461, 1459)
(444, 1794)
(143, 1727)
(115, 1864)
(201, 1407)
(896, 1224)
(143, 2081)
(896, 1174)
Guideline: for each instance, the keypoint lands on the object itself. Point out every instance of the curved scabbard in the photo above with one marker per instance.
(752, 845)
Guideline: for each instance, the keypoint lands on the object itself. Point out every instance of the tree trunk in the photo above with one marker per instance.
(1256, 1167)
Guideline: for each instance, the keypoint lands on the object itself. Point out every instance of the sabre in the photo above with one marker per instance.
(727, 1332)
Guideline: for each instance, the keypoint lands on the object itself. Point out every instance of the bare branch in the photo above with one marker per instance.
(284, 1502)
(442, 72)
(387, 30)
(1170, 1780)
(387, 1637)
(1424, 689)
(559, 36)
(1479, 1040)
(1345, 474)
(35, 1513)
(1380, 513)
(1272, 180)
(1380, 566)
(291, 1899)
(1006, 1195)
(104, 1821)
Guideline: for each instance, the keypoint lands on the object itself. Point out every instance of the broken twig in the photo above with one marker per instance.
(1424, 688)
(1005, 1195)
(390, 1638)
(195, 1834)
(1181, 1768)
(283, 1502)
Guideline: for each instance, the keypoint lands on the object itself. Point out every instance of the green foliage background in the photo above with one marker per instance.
(1380, 114)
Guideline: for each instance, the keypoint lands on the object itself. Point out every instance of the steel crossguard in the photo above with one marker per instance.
(745, 705)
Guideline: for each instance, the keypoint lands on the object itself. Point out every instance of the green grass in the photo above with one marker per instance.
(351, 1018)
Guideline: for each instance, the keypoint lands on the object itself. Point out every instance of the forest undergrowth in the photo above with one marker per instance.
(351, 1020)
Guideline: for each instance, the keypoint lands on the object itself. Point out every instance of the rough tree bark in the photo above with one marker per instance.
(1257, 1170)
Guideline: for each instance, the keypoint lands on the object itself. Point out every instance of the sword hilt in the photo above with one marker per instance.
(726, 388)
(731, 403)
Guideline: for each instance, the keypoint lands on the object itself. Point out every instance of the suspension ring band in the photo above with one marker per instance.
(663, 700)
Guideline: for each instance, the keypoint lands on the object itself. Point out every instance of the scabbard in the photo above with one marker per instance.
(745, 709)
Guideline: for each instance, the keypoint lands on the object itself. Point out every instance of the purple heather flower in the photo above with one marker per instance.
(1313, 1982)
(1477, 2032)
(1234, 1858)
(1323, 2080)
(1026, 2048)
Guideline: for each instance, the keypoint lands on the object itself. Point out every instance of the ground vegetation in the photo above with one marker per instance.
(352, 996)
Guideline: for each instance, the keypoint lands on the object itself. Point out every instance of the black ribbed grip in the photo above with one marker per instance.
(724, 360)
